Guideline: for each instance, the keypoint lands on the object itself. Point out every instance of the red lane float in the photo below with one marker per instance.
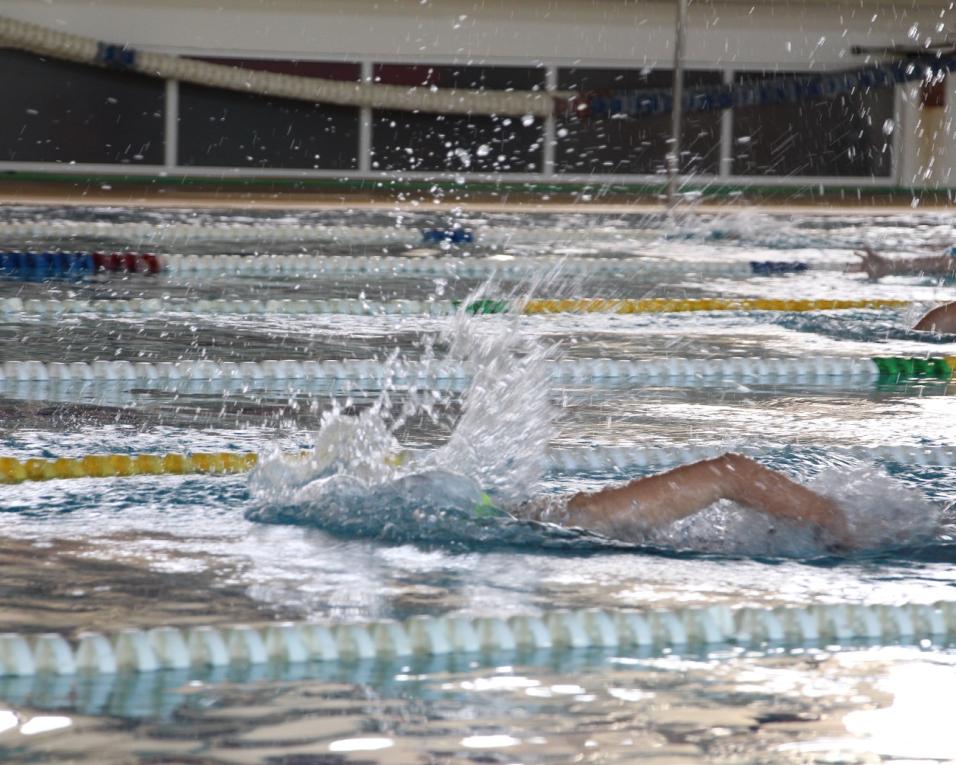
(127, 262)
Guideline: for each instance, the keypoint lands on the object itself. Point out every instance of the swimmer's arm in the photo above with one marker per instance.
(933, 265)
(876, 266)
(675, 494)
(940, 319)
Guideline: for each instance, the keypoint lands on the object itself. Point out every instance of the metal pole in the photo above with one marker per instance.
(550, 124)
(365, 124)
(171, 130)
(677, 111)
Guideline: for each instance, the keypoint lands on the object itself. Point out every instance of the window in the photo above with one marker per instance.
(452, 142)
(598, 143)
(57, 111)
(222, 128)
(839, 136)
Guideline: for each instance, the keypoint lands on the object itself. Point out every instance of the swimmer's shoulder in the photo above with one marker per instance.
(547, 508)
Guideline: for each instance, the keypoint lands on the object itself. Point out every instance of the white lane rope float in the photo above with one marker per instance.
(51, 307)
(85, 50)
(369, 372)
(479, 267)
(64, 233)
(308, 265)
(177, 266)
(183, 394)
(140, 651)
(142, 233)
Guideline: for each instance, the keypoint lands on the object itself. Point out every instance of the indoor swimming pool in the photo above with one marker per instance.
(459, 634)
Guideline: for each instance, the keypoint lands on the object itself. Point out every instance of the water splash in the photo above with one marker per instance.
(355, 484)
(882, 514)
(361, 447)
(507, 419)
(881, 511)
(355, 481)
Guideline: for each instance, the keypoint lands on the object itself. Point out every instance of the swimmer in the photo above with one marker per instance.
(941, 319)
(877, 266)
(628, 512)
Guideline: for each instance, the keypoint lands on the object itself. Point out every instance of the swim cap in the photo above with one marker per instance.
(485, 507)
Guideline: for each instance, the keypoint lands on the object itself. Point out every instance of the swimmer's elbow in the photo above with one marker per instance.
(941, 319)
(944, 325)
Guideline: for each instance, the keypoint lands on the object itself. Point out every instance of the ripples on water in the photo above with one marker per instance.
(352, 485)
(355, 533)
(714, 708)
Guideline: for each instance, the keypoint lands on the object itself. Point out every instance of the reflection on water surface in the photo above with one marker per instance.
(857, 705)
(179, 549)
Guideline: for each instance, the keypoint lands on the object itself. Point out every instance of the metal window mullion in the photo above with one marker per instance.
(365, 125)
(677, 104)
(726, 164)
(550, 124)
(171, 125)
(899, 134)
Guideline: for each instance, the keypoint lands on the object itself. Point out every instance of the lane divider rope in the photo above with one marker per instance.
(48, 264)
(139, 651)
(53, 233)
(40, 264)
(560, 460)
(678, 305)
(259, 233)
(15, 306)
(179, 393)
(13, 470)
(86, 50)
(570, 371)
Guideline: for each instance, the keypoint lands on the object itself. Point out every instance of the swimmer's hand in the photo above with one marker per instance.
(774, 494)
(834, 531)
(874, 265)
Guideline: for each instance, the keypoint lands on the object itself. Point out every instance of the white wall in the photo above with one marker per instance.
(728, 34)
(733, 34)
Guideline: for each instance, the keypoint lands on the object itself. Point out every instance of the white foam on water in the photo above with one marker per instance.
(881, 513)
(507, 419)
(352, 480)
(498, 444)
(880, 510)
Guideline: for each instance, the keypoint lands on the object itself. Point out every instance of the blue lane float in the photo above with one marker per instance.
(448, 236)
(51, 265)
(46, 265)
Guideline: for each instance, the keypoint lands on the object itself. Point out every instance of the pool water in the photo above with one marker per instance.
(200, 541)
